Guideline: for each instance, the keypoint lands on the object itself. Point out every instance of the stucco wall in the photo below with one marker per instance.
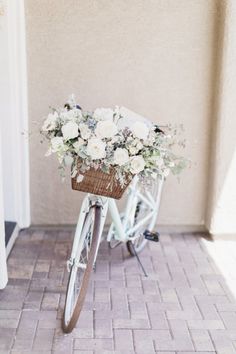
(154, 57)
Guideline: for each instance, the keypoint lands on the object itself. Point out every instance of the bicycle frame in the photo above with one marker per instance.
(123, 232)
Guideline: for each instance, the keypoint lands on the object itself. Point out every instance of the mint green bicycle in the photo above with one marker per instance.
(134, 227)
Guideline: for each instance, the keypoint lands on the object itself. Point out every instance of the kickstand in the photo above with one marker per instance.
(138, 259)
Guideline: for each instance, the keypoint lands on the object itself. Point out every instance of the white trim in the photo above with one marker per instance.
(15, 110)
(14, 149)
(3, 264)
(18, 78)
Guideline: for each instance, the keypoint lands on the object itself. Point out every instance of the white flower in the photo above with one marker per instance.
(85, 132)
(70, 130)
(73, 115)
(106, 129)
(116, 139)
(137, 143)
(148, 142)
(137, 164)
(50, 122)
(71, 100)
(79, 178)
(133, 150)
(57, 144)
(67, 116)
(159, 161)
(121, 156)
(96, 148)
(140, 130)
(130, 139)
(103, 114)
(68, 159)
(166, 172)
(150, 139)
(154, 175)
(77, 145)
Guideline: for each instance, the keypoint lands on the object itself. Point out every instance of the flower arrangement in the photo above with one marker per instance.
(98, 140)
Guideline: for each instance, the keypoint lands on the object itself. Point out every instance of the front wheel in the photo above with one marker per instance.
(81, 269)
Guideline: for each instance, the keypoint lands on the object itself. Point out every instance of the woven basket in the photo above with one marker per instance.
(101, 183)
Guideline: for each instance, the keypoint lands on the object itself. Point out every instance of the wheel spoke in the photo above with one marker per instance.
(79, 268)
(141, 211)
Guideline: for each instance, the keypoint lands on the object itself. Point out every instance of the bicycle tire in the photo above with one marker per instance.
(68, 326)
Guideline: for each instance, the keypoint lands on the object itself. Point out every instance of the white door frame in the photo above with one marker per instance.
(14, 173)
(3, 263)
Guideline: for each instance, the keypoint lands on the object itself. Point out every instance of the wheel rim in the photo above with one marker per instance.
(78, 272)
(139, 240)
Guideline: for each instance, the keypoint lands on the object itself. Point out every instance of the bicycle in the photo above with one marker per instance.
(133, 227)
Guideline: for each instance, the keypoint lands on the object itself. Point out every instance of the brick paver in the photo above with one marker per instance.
(184, 305)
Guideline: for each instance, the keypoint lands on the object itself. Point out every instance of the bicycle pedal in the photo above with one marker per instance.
(151, 236)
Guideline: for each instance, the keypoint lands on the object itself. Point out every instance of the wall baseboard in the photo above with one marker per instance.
(12, 239)
(161, 228)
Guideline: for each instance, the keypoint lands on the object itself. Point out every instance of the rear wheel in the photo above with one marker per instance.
(81, 269)
(140, 242)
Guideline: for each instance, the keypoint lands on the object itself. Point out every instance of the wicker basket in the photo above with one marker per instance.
(101, 183)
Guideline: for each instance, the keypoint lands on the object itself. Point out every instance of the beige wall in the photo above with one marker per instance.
(154, 57)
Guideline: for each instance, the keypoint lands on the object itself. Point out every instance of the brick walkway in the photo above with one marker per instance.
(184, 305)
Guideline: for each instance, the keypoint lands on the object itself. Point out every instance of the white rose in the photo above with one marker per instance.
(70, 130)
(71, 115)
(96, 148)
(57, 144)
(50, 122)
(85, 132)
(106, 129)
(137, 164)
(140, 130)
(78, 144)
(103, 114)
(121, 156)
